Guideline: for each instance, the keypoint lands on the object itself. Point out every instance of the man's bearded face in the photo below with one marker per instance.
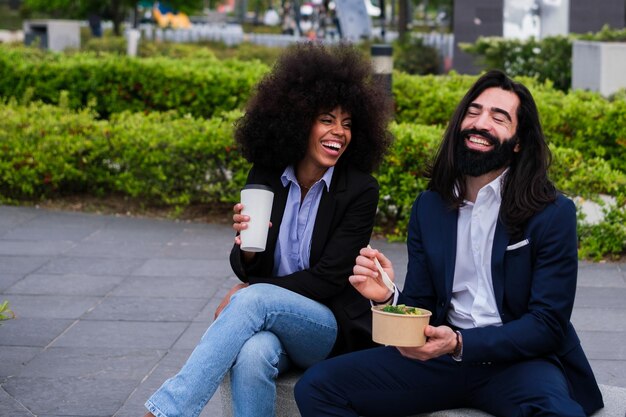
(475, 163)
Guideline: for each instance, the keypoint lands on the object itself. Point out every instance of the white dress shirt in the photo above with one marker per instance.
(473, 302)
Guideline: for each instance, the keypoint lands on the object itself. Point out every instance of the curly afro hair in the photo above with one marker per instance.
(306, 80)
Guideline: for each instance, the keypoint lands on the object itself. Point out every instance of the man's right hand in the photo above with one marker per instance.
(366, 279)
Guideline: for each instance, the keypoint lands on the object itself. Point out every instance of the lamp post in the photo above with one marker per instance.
(382, 63)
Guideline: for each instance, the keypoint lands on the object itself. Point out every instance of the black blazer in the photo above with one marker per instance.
(343, 225)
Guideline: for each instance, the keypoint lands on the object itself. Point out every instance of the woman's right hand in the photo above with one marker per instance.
(366, 279)
(240, 222)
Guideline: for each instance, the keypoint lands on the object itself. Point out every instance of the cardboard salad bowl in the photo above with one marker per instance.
(396, 329)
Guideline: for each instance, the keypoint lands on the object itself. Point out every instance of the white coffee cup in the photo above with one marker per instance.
(257, 202)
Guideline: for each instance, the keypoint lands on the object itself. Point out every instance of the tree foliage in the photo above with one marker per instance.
(115, 10)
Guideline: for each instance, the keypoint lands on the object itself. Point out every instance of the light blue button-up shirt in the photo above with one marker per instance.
(296, 230)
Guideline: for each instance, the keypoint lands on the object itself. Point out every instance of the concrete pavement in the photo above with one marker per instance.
(108, 307)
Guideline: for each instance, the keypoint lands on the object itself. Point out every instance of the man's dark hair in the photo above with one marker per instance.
(306, 80)
(527, 187)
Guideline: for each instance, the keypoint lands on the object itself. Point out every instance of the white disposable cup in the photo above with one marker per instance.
(257, 202)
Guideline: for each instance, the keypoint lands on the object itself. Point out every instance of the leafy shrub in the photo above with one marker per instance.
(160, 158)
(165, 158)
(606, 238)
(546, 59)
(201, 87)
(606, 34)
(412, 56)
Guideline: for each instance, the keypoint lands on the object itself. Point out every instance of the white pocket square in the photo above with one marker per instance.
(518, 245)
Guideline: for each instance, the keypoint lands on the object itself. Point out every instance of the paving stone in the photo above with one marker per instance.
(121, 334)
(191, 336)
(185, 251)
(208, 312)
(611, 320)
(85, 397)
(167, 368)
(14, 358)
(11, 408)
(612, 372)
(93, 362)
(147, 309)
(196, 287)
(15, 247)
(14, 215)
(66, 284)
(121, 250)
(600, 297)
(31, 331)
(11, 264)
(51, 306)
(604, 345)
(606, 275)
(123, 233)
(7, 280)
(53, 233)
(91, 266)
(45, 218)
(184, 268)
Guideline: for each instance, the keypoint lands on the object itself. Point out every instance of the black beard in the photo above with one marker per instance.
(474, 163)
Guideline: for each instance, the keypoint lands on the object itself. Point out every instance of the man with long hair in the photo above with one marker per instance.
(493, 255)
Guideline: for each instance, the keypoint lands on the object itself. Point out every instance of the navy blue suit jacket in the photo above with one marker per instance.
(534, 285)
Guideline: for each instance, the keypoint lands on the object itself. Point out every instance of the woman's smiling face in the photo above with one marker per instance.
(330, 136)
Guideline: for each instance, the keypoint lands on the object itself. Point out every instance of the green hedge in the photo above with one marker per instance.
(160, 158)
(582, 120)
(203, 86)
(111, 83)
(164, 158)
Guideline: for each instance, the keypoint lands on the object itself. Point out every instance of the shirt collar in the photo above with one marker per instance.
(289, 175)
(496, 185)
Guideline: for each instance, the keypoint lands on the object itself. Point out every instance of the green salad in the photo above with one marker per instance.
(403, 309)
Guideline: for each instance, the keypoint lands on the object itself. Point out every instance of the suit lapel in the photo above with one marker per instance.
(278, 209)
(449, 230)
(500, 242)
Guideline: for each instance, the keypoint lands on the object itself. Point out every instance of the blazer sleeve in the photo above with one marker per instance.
(350, 230)
(419, 287)
(542, 329)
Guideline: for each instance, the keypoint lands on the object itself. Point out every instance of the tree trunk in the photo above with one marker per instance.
(403, 17)
(117, 16)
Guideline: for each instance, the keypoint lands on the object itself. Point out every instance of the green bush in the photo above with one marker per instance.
(607, 238)
(160, 158)
(201, 87)
(412, 56)
(546, 59)
(168, 159)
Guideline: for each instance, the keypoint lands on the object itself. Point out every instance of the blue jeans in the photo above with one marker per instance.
(262, 330)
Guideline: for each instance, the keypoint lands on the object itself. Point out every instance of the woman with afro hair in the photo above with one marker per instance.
(314, 130)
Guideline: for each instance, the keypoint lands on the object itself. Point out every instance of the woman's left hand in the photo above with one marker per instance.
(226, 298)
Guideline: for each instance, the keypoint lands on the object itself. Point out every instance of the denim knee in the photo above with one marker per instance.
(261, 351)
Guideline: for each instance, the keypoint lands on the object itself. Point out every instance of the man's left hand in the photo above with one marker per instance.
(440, 340)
